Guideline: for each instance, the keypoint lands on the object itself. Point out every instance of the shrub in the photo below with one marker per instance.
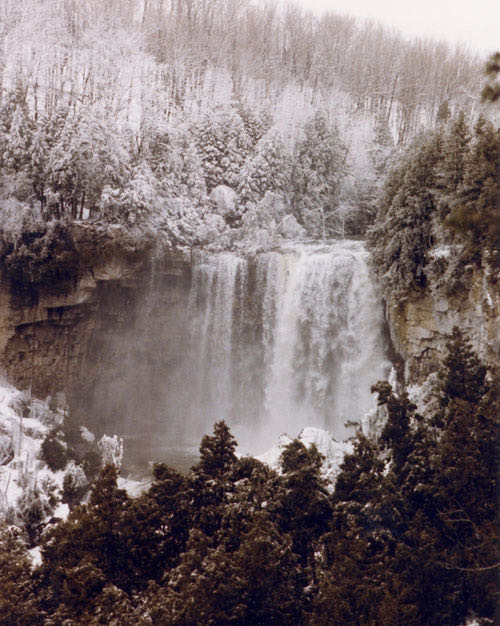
(54, 452)
(43, 259)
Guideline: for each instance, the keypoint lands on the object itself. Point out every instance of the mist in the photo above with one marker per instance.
(270, 342)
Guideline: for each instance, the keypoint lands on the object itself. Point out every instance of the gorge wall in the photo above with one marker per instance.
(56, 345)
(116, 344)
(419, 326)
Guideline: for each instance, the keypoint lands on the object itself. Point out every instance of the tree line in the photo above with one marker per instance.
(73, 165)
(134, 58)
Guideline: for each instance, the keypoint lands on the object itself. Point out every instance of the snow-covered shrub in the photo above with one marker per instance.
(111, 449)
(15, 217)
(223, 199)
(264, 224)
(75, 484)
(187, 224)
(31, 510)
(42, 412)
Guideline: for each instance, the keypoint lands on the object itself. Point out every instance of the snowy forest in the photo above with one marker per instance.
(193, 118)
(247, 133)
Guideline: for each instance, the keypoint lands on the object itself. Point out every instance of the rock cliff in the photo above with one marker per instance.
(419, 325)
(52, 344)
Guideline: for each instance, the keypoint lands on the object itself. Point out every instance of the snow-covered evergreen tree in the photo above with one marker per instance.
(317, 171)
(136, 201)
(268, 169)
(18, 142)
(223, 145)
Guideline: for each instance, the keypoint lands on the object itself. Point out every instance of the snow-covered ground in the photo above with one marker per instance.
(24, 424)
(28, 487)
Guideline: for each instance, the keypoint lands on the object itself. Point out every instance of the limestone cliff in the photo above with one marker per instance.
(47, 344)
(419, 325)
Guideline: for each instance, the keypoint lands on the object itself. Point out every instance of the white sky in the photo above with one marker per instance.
(473, 22)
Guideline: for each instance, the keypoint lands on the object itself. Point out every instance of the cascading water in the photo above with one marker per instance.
(283, 340)
(271, 343)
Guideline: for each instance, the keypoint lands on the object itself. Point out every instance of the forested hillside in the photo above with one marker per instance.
(134, 112)
(133, 128)
(439, 212)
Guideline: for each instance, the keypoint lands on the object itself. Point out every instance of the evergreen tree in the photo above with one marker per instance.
(303, 505)
(476, 211)
(16, 154)
(18, 603)
(451, 167)
(266, 170)
(396, 433)
(491, 92)
(402, 233)
(317, 171)
(257, 122)
(217, 452)
(223, 145)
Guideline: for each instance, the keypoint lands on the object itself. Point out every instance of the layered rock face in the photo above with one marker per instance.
(419, 326)
(55, 345)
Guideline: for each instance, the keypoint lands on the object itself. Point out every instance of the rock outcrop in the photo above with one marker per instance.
(419, 326)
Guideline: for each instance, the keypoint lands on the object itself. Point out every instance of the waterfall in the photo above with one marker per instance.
(271, 343)
(285, 339)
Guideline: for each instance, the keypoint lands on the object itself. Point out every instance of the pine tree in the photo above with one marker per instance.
(19, 606)
(402, 233)
(217, 452)
(303, 505)
(16, 154)
(491, 92)
(463, 375)
(475, 213)
(223, 145)
(451, 167)
(396, 434)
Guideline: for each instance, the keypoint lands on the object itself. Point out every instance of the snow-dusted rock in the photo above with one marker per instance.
(333, 451)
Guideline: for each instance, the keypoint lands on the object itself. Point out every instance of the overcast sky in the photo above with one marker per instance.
(473, 22)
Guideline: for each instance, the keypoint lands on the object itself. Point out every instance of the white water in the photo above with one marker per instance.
(289, 339)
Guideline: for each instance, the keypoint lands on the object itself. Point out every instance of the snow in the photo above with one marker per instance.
(488, 298)
(24, 475)
(333, 451)
(36, 556)
(86, 434)
(224, 198)
(425, 395)
(444, 251)
(133, 487)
